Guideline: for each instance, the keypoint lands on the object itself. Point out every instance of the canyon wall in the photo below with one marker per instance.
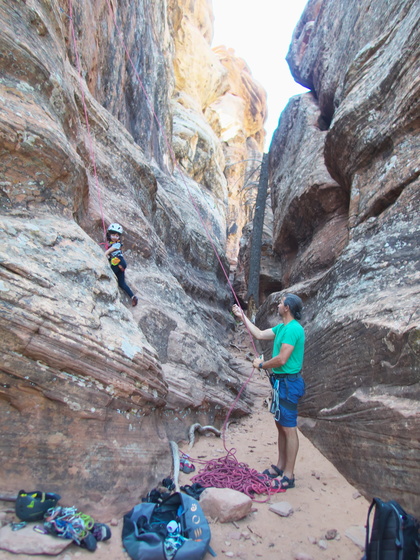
(116, 111)
(344, 179)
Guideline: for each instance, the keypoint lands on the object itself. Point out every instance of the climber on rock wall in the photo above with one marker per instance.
(116, 259)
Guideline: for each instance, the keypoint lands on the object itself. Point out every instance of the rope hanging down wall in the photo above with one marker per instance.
(259, 484)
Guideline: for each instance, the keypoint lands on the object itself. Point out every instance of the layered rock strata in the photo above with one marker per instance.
(345, 196)
(103, 119)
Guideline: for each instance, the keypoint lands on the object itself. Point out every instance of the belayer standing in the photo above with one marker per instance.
(287, 382)
(116, 259)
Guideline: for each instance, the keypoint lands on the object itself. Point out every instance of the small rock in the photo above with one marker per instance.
(225, 504)
(114, 522)
(312, 540)
(316, 475)
(356, 495)
(282, 508)
(229, 554)
(322, 544)
(331, 534)
(302, 556)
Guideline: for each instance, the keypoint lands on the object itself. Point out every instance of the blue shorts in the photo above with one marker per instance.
(286, 394)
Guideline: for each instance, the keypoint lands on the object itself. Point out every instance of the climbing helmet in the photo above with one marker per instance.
(116, 228)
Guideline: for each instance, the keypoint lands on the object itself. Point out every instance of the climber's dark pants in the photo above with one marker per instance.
(120, 274)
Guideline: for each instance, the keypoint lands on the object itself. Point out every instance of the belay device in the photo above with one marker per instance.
(148, 530)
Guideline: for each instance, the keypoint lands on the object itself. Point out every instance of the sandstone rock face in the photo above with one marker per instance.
(309, 207)
(100, 122)
(238, 119)
(345, 196)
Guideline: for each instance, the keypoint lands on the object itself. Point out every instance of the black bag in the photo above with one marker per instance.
(395, 533)
(145, 529)
(31, 506)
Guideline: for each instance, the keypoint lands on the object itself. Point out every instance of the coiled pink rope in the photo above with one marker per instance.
(228, 472)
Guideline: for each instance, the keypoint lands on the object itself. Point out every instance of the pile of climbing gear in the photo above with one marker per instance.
(69, 523)
(63, 522)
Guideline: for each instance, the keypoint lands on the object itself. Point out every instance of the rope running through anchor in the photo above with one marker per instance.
(226, 470)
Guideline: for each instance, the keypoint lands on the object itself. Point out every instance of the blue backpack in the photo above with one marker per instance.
(146, 530)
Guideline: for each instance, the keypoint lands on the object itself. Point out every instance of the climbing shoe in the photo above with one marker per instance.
(89, 542)
(101, 532)
(185, 464)
(31, 506)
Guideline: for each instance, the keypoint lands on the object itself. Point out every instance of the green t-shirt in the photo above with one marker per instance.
(293, 334)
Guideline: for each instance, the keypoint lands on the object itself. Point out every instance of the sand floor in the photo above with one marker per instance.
(322, 501)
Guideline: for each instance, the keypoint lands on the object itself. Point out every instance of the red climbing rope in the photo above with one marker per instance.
(204, 225)
(228, 472)
(173, 158)
(225, 472)
(161, 130)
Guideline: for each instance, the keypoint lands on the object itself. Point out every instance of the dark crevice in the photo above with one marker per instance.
(324, 122)
(389, 198)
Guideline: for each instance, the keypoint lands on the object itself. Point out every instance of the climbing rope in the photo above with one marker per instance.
(228, 472)
(172, 155)
(161, 130)
(225, 472)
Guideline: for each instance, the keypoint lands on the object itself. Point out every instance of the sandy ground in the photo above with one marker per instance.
(322, 500)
